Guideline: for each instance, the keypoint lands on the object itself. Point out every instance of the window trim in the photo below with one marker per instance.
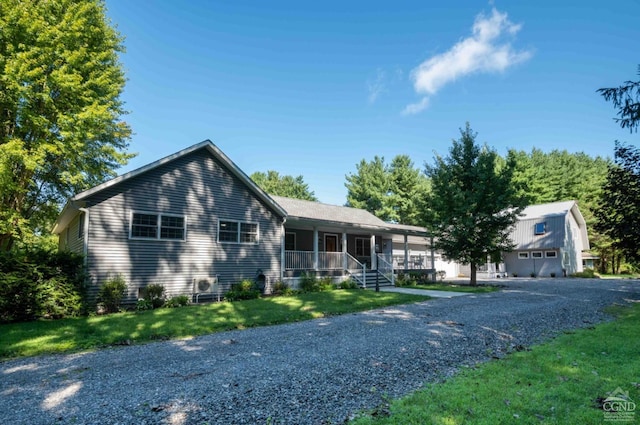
(158, 226)
(523, 255)
(533, 254)
(547, 254)
(81, 219)
(238, 240)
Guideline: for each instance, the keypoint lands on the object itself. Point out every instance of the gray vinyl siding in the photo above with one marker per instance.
(541, 267)
(524, 237)
(70, 239)
(562, 235)
(195, 186)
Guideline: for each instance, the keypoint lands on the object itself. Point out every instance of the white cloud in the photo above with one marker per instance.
(414, 108)
(376, 87)
(488, 50)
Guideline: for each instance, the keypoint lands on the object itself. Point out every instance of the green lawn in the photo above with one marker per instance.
(561, 382)
(67, 335)
(455, 287)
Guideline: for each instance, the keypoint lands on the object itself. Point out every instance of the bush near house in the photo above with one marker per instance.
(111, 293)
(244, 290)
(40, 284)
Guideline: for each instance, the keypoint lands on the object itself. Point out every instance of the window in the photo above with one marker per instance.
(157, 226)
(290, 241)
(363, 247)
(551, 254)
(248, 232)
(536, 254)
(171, 227)
(237, 232)
(523, 255)
(540, 228)
(228, 231)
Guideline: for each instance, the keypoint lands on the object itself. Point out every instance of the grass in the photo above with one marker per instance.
(560, 382)
(84, 333)
(453, 287)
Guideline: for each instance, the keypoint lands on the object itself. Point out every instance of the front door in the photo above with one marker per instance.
(331, 243)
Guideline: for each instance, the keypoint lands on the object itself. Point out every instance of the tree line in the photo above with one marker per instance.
(62, 132)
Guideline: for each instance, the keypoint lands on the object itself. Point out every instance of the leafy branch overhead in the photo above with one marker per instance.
(60, 110)
(618, 214)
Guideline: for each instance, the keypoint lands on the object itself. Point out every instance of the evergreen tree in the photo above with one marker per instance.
(618, 213)
(291, 187)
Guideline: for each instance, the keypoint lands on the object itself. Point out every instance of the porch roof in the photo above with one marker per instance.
(317, 213)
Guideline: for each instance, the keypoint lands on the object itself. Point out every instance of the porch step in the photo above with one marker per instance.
(370, 279)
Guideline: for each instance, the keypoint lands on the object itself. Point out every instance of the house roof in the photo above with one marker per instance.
(327, 214)
(75, 203)
(554, 209)
(548, 210)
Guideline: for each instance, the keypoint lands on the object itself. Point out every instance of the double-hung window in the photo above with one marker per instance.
(157, 226)
(233, 231)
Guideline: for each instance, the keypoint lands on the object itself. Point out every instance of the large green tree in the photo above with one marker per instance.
(474, 202)
(618, 213)
(60, 109)
(560, 176)
(275, 184)
(393, 192)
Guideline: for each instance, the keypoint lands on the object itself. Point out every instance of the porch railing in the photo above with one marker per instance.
(304, 260)
(298, 260)
(385, 268)
(357, 270)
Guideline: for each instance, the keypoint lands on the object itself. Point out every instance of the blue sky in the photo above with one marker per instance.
(311, 88)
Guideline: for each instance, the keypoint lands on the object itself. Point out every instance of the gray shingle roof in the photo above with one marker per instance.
(325, 212)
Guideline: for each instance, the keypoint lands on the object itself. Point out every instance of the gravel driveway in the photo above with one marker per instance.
(316, 372)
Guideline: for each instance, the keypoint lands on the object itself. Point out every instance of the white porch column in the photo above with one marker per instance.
(283, 259)
(315, 248)
(374, 264)
(344, 251)
(406, 252)
(433, 260)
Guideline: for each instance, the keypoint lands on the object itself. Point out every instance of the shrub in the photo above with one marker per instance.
(177, 301)
(40, 284)
(348, 284)
(281, 288)
(244, 290)
(144, 305)
(586, 273)
(154, 293)
(326, 284)
(112, 292)
(309, 283)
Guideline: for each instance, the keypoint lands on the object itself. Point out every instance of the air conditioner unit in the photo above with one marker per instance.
(205, 285)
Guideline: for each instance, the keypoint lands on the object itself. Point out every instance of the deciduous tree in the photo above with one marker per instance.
(474, 203)
(60, 109)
